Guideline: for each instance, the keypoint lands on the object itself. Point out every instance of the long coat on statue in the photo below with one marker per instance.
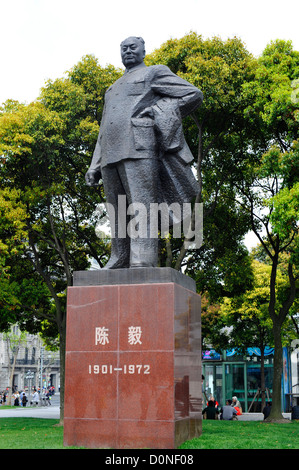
(125, 134)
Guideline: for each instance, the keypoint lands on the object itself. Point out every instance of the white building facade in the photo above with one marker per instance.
(35, 367)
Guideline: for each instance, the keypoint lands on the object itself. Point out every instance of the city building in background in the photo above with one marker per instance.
(35, 367)
(229, 374)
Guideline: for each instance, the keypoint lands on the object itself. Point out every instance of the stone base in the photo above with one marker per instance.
(101, 277)
(133, 364)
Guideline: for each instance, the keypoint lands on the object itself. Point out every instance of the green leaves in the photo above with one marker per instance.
(285, 212)
(45, 149)
(272, 87)
(216, 134)
(12, 221)
(248, 313)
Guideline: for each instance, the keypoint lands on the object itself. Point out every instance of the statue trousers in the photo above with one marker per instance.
(130, 187)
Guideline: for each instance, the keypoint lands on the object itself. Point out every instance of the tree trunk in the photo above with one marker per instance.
(62, 370)
(60, 319)
(11, 374)
(275, 413)
(61, 323)
(277, 321)
(263, 383)
(15, 352)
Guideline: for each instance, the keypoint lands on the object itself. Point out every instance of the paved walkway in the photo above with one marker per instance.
(52, 412)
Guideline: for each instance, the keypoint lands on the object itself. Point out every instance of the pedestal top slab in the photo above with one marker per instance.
(132, 276)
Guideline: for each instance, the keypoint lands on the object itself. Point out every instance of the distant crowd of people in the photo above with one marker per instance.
(230, 411)
(21, 398)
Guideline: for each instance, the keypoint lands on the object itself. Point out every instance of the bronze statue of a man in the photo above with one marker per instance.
(141, 152)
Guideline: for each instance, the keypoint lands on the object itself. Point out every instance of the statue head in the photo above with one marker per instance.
(132, 51)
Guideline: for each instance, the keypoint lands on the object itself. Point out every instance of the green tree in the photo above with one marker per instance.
(24, 299)
(12, 234)
(245, 137)
(247, 316)
(269, 190)
(216, 134)
(45, 150)
(14, 341)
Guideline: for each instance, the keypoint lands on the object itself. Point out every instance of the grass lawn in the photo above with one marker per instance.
(38, 433)
(30, 433)
(246, 435)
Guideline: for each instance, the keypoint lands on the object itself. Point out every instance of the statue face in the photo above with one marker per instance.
(132, 52)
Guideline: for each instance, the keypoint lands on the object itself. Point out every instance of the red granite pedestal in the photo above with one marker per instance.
(133, 365)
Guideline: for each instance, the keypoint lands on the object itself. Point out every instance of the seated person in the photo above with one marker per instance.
(266, 410)
(228, 411)
(214, 400)
(237, 405)
(210, 412)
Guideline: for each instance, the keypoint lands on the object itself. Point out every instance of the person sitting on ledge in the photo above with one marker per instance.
(237, 405)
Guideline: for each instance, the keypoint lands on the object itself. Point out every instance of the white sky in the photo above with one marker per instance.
(41, 39)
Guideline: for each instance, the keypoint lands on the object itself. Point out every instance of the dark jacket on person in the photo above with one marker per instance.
(210, 411)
